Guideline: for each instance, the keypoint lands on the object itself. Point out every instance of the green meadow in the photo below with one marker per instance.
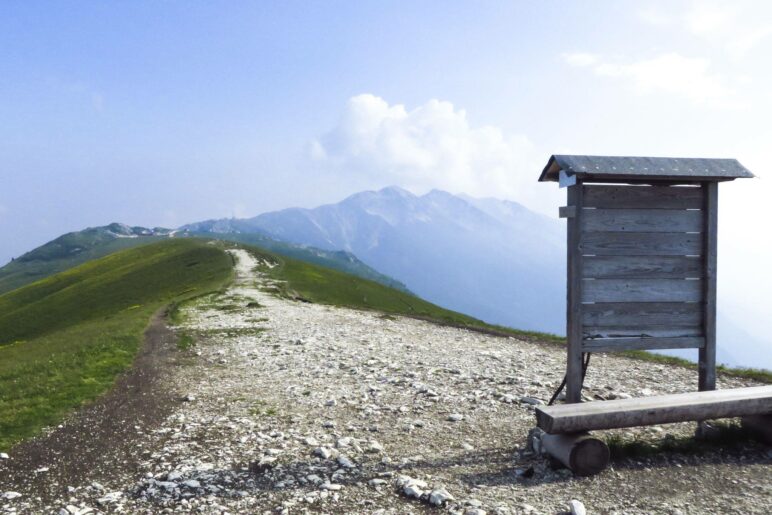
(64, 339)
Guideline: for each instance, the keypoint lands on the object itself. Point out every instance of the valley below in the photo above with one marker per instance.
(285, 406)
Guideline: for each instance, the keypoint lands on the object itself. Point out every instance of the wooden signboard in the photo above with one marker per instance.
(641, 257)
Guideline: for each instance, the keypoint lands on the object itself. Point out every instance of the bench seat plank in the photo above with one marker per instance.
(660, 409)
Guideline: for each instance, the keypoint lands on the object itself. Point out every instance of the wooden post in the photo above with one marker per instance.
(580, 452)
(574, 294)
(707, 358)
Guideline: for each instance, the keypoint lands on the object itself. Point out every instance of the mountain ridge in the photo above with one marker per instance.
(510, 255)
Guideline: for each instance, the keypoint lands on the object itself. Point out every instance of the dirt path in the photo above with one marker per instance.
(294, 407)
(99, 438)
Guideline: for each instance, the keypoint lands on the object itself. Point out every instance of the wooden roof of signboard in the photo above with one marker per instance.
(610, 168)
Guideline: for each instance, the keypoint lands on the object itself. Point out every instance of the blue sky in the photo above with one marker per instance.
(162, 113)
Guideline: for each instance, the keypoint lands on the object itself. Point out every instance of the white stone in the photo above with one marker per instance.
(374, 446)
(323, 452)
(412, 490)
(4, 456)
(345, 462)
(331, 486)
(9, 496)
(110, 498)
(192, 483)
(343, 442)
(455, 417)
(577, 508)
(440, 496)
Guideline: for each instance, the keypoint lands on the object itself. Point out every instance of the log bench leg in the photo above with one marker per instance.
(584, 454)
(760, 426)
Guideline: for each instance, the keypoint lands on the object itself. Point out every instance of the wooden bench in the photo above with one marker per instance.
(567, 424)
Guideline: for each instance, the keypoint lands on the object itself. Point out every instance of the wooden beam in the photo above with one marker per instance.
(642, 244)
(660, 409)
(647, 197)
(642, 290)
(567, 211)
(582, 453)
(707, 357)
(574, 293)
(620, 344)
(642, 220)
(606, 314)
(642, 267)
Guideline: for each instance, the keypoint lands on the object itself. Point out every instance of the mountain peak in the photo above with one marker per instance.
(396, 191)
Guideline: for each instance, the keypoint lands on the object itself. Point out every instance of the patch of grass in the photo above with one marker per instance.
(185, 341)
(64, 339)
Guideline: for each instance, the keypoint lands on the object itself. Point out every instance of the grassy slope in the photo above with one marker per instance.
(337, 260)
(63, 339)
(332, 287)
(23, 271)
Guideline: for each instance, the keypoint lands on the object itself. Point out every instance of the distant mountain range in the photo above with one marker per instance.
(493, 259)
(75, 248)
(489, 258)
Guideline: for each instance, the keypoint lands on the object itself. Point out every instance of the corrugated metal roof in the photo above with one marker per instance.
(639, 168)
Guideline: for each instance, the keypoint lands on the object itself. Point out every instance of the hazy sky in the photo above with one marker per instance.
(162, 113)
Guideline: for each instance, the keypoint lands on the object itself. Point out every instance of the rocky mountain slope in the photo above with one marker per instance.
(291, 407)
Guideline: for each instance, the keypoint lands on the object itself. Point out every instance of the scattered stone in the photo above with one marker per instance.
(110, 498)
(531, 400)
(9, 496)
(331, 486)
(4, 456)
(345, 462)
(455, 417)
(577, 508)
(189, 398)
(323, 452)
(440, 496)
(374, 447)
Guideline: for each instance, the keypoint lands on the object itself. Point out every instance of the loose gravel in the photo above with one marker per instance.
(291, 407)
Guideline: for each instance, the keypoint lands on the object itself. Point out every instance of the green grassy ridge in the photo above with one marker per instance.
(67, 350)
(337, 260)
(123, 280)
(35, 266)
(324, 286)
(75, 248)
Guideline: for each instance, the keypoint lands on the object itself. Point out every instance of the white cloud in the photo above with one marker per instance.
(432, 146)
(689, 78)
(738, 28)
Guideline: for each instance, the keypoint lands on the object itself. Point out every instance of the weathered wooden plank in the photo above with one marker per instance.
(642, 220)
(707, 357)
(648, 267)
(574, 294)
(620, 344)
(641, 331)
(567, 211)
(641, 244)
(649, 197)
(641, 290)
(611, 314)
(660, 409)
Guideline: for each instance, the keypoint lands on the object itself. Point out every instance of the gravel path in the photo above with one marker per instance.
(294, 407)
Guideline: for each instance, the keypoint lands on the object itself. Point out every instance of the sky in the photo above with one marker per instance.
(165, 113)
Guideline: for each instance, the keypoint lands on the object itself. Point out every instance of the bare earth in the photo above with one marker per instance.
(293, 407)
